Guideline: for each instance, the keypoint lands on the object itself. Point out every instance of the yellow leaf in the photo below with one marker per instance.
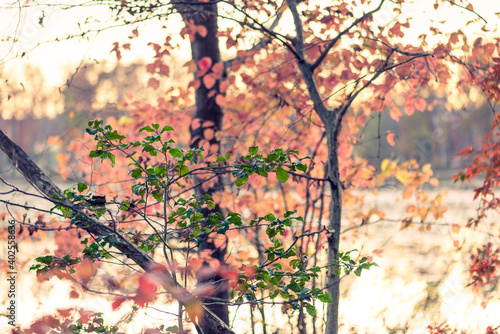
(385, 163)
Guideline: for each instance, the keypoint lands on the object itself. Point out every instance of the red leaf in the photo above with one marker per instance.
(74, 294)
(164, 70)
(85, 316)
(147, 288)
(65, 312)
(116, 48)
(117, 302)
(153, 83)
(135, 33)
(205, 63)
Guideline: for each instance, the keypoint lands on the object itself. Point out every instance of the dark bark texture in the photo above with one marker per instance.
(207, 111)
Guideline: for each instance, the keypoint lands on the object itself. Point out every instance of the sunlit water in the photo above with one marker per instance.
(421, 281)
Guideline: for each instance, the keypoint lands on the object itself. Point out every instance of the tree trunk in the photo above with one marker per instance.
(333, 282)
(210, 115)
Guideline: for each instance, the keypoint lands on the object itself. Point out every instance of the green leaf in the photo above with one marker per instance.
(183, 170)
(146, 128)
(310, 309)
(302, 167)
(220, 159)
(81, 187)
(270, 217)
(167, 128)
(241, 181)
(175, 152)
(325, 298)
(45, 259)
(156, 126)
(253, 150)
(91, 131)
(262, 172)
(281, 174)
(136, 173)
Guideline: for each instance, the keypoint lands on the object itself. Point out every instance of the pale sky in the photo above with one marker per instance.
(57, 59)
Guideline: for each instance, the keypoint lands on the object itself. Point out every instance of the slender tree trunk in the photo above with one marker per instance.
(210, 115)
(332, 282)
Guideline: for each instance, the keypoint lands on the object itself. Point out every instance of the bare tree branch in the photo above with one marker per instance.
(342, 33)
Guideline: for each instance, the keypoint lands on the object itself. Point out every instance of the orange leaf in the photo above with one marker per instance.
(448, 106)
(195, 84)
(85, 271)
(434, 181)
(489, 48)
(208, 133)
(420, 104)
(391, 138)
(378, 252)
(207, 124)
(191, 65)
(220, 100)
(214, 149)
(194, 308)
(409, 109)
(235, 66)
(202, 31)
(395, 113)
(411, 209)
(209, 80)
(195, 124)
(223, 86)
(455, 228)
(218, 68)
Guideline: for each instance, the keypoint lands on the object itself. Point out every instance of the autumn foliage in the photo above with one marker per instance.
(251, 196)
